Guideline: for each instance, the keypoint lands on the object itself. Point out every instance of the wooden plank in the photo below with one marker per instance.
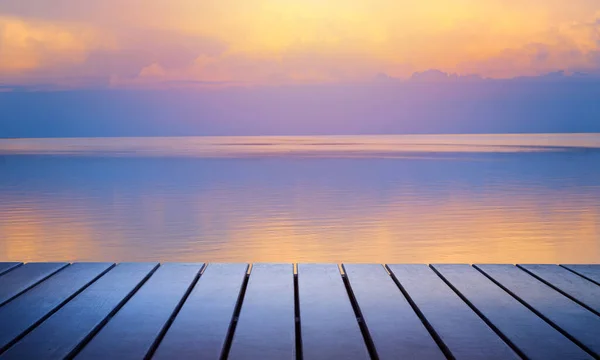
(591, 272)
(266, 325)
(579, 289)
(59, 336)
(24, 277)
(534, 338)
(133, 331)
(29, 309)
(582, 325)
(8, 266)
(200, 329)
(329, 328)
(396, 331)
(465, 334)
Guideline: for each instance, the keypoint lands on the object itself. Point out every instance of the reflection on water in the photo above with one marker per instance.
(304, 146)
(446, 202)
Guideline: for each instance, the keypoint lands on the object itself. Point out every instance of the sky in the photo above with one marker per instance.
(124, 43)
(252, 67)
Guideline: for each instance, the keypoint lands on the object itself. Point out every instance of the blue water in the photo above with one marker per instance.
(321, 199)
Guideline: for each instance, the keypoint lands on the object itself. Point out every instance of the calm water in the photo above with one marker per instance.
(509, 198)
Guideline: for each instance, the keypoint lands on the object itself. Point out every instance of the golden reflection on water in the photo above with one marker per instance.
(526, 203)
(564, 229)
(314, 146)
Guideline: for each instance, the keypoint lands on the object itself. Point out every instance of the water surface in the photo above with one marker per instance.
(442, 198)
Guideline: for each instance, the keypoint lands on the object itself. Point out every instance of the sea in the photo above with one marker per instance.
(510, 198)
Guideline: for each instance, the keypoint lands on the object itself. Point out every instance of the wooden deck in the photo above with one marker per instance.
(304, 311)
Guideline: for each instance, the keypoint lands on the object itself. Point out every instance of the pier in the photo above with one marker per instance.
(298, 311)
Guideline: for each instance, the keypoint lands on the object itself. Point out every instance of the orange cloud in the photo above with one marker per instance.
(289, 41)
(27, 45)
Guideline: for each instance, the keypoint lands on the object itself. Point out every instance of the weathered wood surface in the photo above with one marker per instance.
(530, 334)
(465, 334)
(577, 322)
(328, 323)
(571, 285)
(266, 325)
(590, 272)
(24, 277)
(134, 330)
(395, 328)
(200, 329)
(218, 311)
(7, 266)
(59, 336)
(25, 312)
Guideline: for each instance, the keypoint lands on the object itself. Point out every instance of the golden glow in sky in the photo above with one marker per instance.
(135, 42)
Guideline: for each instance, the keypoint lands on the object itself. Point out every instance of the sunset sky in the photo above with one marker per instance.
(148, 43)
(297, 67)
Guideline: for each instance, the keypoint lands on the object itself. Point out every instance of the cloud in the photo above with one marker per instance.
(573, 47)
(300, 64)
(268, 42)
(138, 51)
(435, 75)
(28, 46)
(32, 51)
